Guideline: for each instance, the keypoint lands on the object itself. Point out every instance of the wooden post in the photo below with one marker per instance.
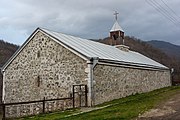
(44, 105)
(73, 97)
(80, 92)
(4, 112)
(86, 95)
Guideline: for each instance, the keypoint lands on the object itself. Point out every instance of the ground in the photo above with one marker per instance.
(167, 110)
(161, 104)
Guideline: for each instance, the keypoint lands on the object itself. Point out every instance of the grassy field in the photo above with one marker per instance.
(121, 109)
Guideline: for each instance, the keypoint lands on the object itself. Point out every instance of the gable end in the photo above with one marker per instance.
(30, 38)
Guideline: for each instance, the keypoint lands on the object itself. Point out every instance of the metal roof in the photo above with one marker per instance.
(88, 49)
(91, 49)
(116, 27)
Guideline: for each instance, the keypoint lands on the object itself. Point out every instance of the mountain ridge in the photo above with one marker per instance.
(169, 48)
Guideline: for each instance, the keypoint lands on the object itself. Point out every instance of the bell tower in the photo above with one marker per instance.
(116, 32)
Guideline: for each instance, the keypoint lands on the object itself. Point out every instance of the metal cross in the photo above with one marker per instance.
(116, 14)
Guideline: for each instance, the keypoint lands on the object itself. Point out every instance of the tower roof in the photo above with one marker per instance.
(116, 27)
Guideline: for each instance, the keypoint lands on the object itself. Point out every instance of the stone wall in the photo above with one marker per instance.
(111, 82)
(43, 68)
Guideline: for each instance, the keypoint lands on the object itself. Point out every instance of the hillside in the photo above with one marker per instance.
(168, 48)
(151, 52)
(6, 51)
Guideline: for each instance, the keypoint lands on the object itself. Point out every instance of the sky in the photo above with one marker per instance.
(91, 19)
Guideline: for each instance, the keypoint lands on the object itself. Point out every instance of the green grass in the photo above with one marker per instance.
(50, 116)
(120, 109)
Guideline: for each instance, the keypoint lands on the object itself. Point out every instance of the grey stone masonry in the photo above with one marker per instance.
(43, 68)
(46, 68)
(112, 82)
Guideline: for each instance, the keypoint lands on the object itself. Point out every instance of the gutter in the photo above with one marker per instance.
(132, 65)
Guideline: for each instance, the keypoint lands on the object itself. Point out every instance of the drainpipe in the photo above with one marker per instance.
(90, 79)
(172, 74)
(91, 64)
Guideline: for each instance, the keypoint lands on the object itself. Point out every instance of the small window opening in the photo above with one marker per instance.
(38, 54)
(38, 81)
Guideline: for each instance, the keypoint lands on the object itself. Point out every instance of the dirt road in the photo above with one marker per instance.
(169, 110)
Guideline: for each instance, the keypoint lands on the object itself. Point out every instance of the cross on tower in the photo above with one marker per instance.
(116, 14)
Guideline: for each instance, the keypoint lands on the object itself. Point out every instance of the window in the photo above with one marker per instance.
(38, 81)
(38, 54)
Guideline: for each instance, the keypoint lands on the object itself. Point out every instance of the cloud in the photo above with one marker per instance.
(87, 19)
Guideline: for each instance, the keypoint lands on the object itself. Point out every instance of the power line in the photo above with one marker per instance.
(160, 11)
(166, 11)
(170, 9)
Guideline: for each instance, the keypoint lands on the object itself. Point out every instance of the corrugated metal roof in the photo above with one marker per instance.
(94, 49)
(116, 27)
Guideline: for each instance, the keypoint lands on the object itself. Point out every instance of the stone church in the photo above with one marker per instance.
(50, 63)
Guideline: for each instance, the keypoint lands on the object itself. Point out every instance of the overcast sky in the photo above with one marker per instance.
(91, 19)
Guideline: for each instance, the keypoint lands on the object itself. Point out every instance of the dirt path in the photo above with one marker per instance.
(169, 110)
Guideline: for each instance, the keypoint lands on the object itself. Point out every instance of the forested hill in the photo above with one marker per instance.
(168, 48)
(6, 51)
(151, 52)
